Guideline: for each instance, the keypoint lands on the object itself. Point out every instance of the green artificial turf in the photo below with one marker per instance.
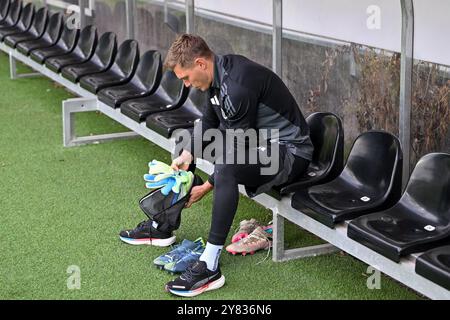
(65, 206)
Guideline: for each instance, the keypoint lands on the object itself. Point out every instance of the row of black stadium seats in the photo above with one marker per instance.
(118, 76)
(366, 190)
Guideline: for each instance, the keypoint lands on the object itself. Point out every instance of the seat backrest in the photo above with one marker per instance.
(327, 137)
(107, 49)
(149, 70)
(127, 57)
(4, 8)
(54, 27)
(428, 187)
(197, 100)
(39, 22)
(14, 12)
(26, 17)
(87, 42)
(375, 163)
(69, 38)
(174, 87)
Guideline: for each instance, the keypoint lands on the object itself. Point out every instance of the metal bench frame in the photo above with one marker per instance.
(337, 238)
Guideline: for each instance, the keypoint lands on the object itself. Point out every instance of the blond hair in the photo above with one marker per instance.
(185, 49)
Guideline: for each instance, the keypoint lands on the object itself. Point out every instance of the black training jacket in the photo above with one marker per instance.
(247, 95)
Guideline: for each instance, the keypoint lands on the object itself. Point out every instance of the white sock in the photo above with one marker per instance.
(211, 256)
(155, 224)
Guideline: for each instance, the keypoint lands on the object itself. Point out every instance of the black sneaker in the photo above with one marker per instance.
(145, 233)
(196, 280)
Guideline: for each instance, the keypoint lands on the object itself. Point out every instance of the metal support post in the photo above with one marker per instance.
(75, 105)
(406, 74)
(190, 12)
(130, 14)
(83, 4)
(13, 69)
(277, 34)
(281, 254)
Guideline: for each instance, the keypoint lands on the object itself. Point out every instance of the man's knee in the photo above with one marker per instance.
(225, 172)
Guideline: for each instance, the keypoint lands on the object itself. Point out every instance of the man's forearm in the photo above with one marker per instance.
(207, 186)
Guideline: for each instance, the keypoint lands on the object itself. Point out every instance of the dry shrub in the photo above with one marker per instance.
(374, 99)
(378, 89)
(430, 109)
(378, 99)
(312, 104)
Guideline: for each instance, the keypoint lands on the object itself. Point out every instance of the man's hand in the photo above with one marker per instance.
(198, 192)
(182, 162)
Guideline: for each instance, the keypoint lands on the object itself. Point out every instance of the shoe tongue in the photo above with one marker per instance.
(199, 267)
(145, 224)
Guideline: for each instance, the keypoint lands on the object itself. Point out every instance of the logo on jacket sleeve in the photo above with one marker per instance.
(228, 109)
(215, 101)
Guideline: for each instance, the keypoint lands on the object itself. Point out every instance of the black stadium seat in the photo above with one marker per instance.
(327, 136)
(48, 39)
(102, 59)
(35, 32)
(435, 266)
(4, 9)
(144, 82)
(165, 123)
(13, 15)
(120, 72)
(83, 51)
(170, 95)
(370, 182)
(419, 221)
(24, 24)
(65, 44)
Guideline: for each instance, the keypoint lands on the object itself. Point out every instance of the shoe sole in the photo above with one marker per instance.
(244, 253)
(149, 241)
(207, 287)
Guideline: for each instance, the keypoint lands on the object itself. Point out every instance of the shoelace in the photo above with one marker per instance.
(256, 237)
(189, 274)
(174, 249)
(267, 256)
(144, 224)
(248, 225)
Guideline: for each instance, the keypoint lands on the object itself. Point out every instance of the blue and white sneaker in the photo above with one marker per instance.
(178, 252)
(146, 234)
(191, 256)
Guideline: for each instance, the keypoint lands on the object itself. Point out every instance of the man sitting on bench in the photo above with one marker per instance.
(246, 100)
